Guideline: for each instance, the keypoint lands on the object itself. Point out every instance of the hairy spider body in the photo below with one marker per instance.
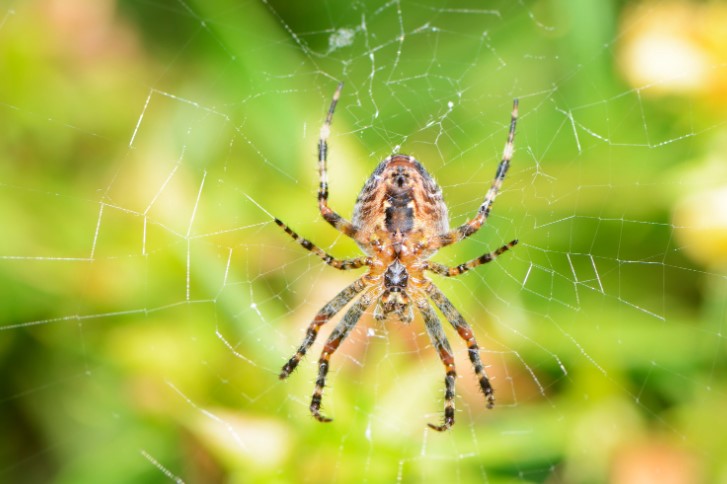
(399, 197)
(399, 221)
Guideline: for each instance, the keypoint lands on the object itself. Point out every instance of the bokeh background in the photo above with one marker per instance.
(148, 301)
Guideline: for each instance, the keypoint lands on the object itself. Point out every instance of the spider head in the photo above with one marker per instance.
(395, 300)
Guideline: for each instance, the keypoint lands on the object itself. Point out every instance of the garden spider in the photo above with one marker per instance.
(399, 221)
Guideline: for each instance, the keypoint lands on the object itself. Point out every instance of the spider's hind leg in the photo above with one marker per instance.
(471, 226)
(329, 215)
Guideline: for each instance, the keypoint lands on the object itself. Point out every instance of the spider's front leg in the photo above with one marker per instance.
(334, 340)
(439, 340)
(465, 332)
(323, 316)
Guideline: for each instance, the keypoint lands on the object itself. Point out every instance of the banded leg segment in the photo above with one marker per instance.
(323, 316)
(472, 226)
(338, 222)
(465, 332)
(343, 264)
(334, 340)
(447, 271)
(439, 340)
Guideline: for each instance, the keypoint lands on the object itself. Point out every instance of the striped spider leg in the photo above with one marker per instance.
(325, 314)
(472, 226)
(338, 222)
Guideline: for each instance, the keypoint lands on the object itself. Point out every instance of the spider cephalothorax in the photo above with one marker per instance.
(399, 221)
(395, 299)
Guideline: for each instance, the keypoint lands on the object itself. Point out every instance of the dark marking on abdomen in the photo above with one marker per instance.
(399, 215)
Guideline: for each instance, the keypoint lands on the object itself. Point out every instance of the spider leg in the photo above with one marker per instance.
(334, 340)
(343, 264)
(443, 270)
(338, 222)
(323, 316)
(439, 340)
(473, 225)
(465, 332)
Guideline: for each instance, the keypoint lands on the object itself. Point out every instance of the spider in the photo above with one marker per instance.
(399, 221)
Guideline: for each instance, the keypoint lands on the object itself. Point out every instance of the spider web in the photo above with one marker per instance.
(150, 301)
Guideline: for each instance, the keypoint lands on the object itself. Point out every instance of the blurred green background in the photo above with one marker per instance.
(148, 301)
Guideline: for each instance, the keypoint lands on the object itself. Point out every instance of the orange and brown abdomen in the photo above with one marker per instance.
(401, 197)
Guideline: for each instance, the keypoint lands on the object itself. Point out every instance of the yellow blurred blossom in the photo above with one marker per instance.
(675, 47)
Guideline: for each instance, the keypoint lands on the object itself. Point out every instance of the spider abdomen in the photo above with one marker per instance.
(399, 213)
(400, 196)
